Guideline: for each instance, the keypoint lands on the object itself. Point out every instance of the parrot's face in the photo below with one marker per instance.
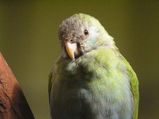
(80, 34)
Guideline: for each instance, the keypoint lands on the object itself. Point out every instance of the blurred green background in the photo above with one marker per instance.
(29, 42)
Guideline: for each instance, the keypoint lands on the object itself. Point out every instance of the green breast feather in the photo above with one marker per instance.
(106, 73)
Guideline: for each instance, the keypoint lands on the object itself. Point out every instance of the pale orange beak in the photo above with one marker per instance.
(71, 48)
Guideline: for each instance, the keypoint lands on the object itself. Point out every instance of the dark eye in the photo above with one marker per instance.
(71, 40)
(86, 32)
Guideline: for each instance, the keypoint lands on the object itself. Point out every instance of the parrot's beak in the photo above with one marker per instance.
(71, 49)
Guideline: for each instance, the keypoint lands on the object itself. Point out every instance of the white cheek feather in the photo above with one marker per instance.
(93, 32)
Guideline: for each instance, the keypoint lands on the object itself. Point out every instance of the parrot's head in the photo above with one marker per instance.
(80, 34)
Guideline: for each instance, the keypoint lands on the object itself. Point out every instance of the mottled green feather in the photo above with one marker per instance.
(103, 71)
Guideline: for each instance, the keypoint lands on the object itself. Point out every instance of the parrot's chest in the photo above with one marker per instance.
(99, 91)
(109, 83)
(92, 89)
(108, 89)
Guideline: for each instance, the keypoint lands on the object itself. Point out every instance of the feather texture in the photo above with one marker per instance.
(98, 85)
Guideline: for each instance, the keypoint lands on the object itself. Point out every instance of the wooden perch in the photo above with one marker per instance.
(13, 104)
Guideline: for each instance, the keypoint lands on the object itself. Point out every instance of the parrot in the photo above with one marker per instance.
(91, 78)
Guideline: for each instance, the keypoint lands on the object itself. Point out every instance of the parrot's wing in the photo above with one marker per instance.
(134, 87)
(51, 79)
(135, 91)
(49, 84)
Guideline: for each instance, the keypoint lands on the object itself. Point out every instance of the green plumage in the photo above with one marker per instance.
(98, 85)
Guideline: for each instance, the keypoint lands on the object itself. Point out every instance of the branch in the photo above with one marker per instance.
(13, 104)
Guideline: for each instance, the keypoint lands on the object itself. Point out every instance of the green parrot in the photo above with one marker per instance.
(91, 79)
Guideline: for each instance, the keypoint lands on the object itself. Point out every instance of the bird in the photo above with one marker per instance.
(91, 79)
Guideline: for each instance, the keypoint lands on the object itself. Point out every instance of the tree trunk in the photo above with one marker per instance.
(13, 104)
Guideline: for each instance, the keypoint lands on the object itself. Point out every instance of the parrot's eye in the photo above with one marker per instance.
(86, 32)
(71, 41)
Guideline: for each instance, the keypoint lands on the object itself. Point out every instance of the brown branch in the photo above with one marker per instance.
(13, 104)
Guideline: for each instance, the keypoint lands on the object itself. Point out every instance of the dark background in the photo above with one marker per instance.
(28, 40)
